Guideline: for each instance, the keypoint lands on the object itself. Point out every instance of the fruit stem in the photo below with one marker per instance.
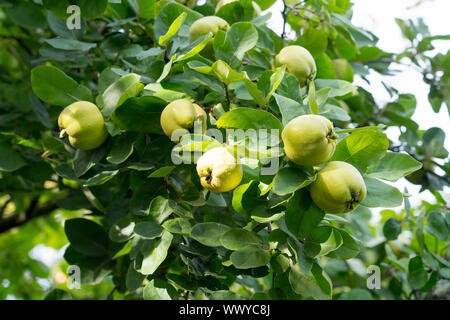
(62, 134)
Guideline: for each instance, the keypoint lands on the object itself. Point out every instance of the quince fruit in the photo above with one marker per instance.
(299, 62)
(309, 139)
(83, 122)
(219, 170)
(343, 70)
(338, 188)
(181, 117)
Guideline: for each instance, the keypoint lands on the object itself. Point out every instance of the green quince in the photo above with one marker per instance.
(338, 188)
(309, 140)
(83, 122)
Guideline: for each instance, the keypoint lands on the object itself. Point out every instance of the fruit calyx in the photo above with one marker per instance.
(208, 177)
(332, 136)
(353, 200)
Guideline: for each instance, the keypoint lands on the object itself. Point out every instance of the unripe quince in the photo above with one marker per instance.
(343, 70)
(309, 140)
(256, 7)
(84, 124)
(339, 188)
(299, 62)
(204, 25)
(219, 170)
(181, 116)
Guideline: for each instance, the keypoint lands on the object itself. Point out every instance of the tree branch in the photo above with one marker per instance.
(33, 211)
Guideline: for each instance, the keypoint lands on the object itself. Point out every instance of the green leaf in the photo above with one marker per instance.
(100, 178)
(236, 238)
(159, 209)
(313, 106)
(362, 148)
(275, 81)
(87, 237)
(167, 16)
(173, 29)
(263, 214)
(418, 230)
(10, 159)
(289, 179)
(195, 47)
(220, 69)
(289, 108)
(151, 292)
(392, 229)
(70, 44)
(148, 229)
(122, 148)
(314, 40)
(84, 160)
(417, 275)
(122, 230)
(393, 166)
(155, 253)
(140, 114)
(250, 257)
(53, 86)
(321, 241)
(356, 294)
(339, 88)
(254, 91)
(333, 112)
(162, 172)
(245, 197)
(27, 15)
(433, 141)
(307, 284)
(302, 215)
(240, 38)
(380, 194)
(134, 279)
(92, 9)
(437, 225)
(246, 118)
(120, 90)
(178, 225)
(209, 233)
(349, 248)
(166, 69)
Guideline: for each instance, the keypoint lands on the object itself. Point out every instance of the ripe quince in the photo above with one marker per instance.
(219, 170)
(309, 139)
(180, 117)
(299, 62)
(343, 70)
(83, 122)
(338, 188)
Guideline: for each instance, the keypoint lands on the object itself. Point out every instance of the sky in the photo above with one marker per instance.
(378, 16)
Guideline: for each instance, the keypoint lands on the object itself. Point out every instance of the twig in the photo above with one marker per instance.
(227, 95)
(33, 211)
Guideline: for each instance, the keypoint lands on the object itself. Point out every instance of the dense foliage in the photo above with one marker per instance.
(140, 225)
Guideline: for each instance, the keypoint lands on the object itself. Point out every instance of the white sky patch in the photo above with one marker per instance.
(47, 255)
